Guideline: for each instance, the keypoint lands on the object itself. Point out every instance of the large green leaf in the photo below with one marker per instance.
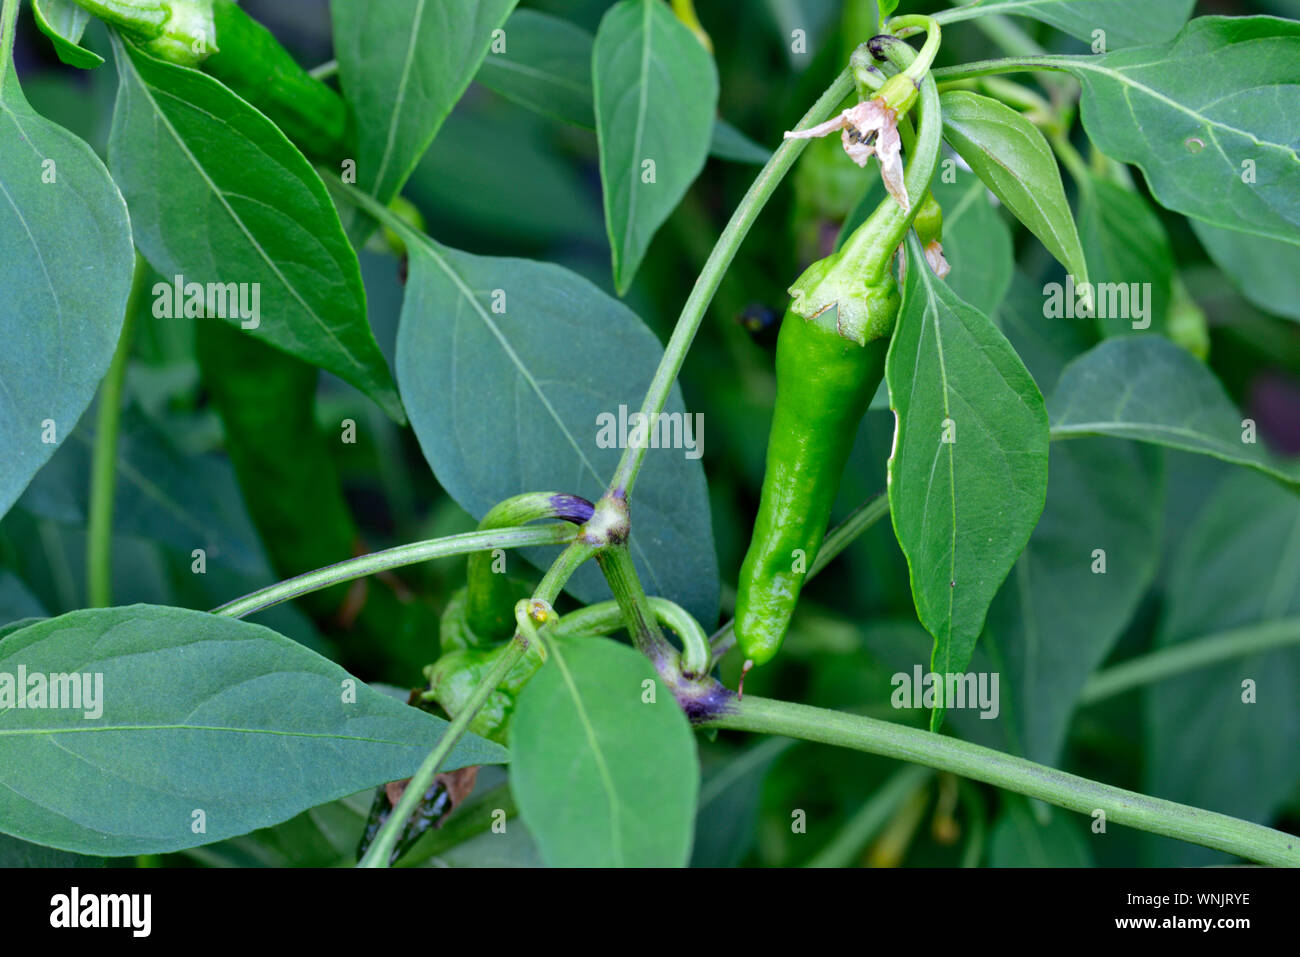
(218, 195)
(403, 64)
(968, 475)
(1147, 388)
(199, 714)
(508, 366)
(1012, 157)
(1208, 119)
(1130, 261)
(1263, 270)
(603, 762)
(1238, 565)
(1119, 23)
(1075, 587)
(656, 93)
(65, 271)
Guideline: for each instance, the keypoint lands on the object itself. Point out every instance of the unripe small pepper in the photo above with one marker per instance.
(830, 357)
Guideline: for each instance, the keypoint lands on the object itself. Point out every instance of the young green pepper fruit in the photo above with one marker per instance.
(830, 357)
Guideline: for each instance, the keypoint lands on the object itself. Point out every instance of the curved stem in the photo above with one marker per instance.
(706, 284)
(606, 617)
(103, 463)
(395, 558)
(1242, 838)
(912, 23)
(836, 540)
(1190, 655)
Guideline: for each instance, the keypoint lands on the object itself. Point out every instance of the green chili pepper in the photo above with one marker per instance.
(830, 357)
(254, 64)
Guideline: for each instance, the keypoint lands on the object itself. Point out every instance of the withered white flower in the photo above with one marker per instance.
(870, 128)
(934, 256)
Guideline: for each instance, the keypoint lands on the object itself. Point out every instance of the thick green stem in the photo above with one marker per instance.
(1190, 655)
(562, 569)
(606, 617)
(1247, 840)
(616, 563)
(103, 467)
(688, 323)
(395, 558)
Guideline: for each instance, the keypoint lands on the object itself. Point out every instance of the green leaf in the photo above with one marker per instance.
(730, 144)
(1206, 746)
(1119, 23)
(1130, 260)
(1044, 345)
(1075, 587)
(199, 713)
(1147, 388)
(265, 219)
(1020, 840)
(1012, 157)
(1262, 269)
(1207, 118)
(509, 366)
(968, 475)
(976, 242)
(545, 67)
(602, 776)
(65, 268)
(402, 67)
(727, 819)
(656, 92)
(64, 22)
(16, 853)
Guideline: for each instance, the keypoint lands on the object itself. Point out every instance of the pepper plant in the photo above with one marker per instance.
(384, 347)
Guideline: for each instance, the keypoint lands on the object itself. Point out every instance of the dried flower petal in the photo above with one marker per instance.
(934, 256)
(868, 129)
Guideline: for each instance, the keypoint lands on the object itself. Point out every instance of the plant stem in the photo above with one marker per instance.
(870, 818)
(562, 569)
(616, 564)
(1190, 655)
(324, 71)
(379, 852)
(606, 617)
(1011, 64)
(395, 558)
(836, 540)
(706, 284)
(1242, 838)
(103, 465)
